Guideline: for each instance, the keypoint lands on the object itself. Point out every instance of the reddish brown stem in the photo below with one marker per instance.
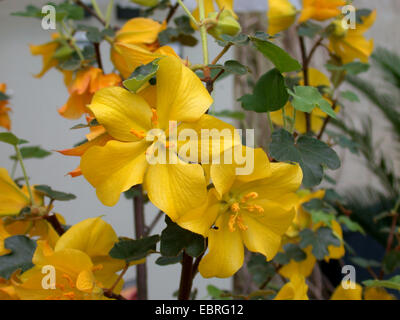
(90, 11)
(185, 286)
(98, 55)
(52, 219)
(305, 76)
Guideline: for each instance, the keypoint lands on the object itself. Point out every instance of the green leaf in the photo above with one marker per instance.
(32, 152)
(182, 33)
(320, 211)
(350, 95)
(30, 12)
(362, 14)
(235, 67)
(63, 52)
(141, 75)
(350, 224)
(309, 29)
(238, 40)
(174, 239)
(260, 269)
(216, 293)
(164, 261)
(3, 96)
(391, 261)
(344, 141)
(309, 152)
(93, 34)
(279, 57)
(392, 283)
(229, 114)
(319, 240)
(132, 250)
(352, 68)
(306, 98)
(10, 138)
(22, 249)
(291, 252)
(269, 94)
(69, 11)
(55, 195)
(365, 263)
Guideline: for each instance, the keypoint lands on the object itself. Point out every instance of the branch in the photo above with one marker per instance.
(55, 223)
(185, 286)
(171, 12)
(305, 77)
(90, 11)
(153, 223)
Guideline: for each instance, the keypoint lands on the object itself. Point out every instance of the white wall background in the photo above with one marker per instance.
(35, 118)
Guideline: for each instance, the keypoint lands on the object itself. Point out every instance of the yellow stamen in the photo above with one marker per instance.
(138, 133)
(154, 118)
(97, 267)
(235, 207)
(232, 222)
(253, 207)
(241, 224)
(69, 280)
(251, 195)
(69, 295)
(60, 286)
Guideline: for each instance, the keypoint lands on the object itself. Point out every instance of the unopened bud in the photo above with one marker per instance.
(224, 23)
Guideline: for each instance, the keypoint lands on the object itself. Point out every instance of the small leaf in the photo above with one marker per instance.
(309, 29)
(10, 138)
(260, 269)
(174, 239)
(279, 57)
(269, 94)
(351, 225)
(320, 211)
(309, 152)
(350, 95)
(319, 240)
(291, 252)
(365, 263)
(352, 68)
(238, 40)
(22, 249)
(391, 261)
(164, 261)
(141, 75)
(392, 283)
(235, 67)
(55, 195)
(216, 293)
(306, 98)
(33, 152)
(133, 250)
(229, 114)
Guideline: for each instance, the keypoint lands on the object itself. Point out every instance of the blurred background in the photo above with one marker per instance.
(35, 118)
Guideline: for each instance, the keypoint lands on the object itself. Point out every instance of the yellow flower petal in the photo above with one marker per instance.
(119, 111)
(281, 15)
(12, 199)
(114, 168)
(225, 251)
(341, 293)
(181, 95)
(176, 188)
(295, 289)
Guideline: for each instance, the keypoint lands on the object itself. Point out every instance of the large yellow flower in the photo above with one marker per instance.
(295, 289)
(252, 210)
(83, 268)
(136, 43)
(316, 79)
(341, 293)
(5, 121)
(281, 15)
(7, 291)
(351, 44)
(82, 89)
(320, 9)
(127, 117)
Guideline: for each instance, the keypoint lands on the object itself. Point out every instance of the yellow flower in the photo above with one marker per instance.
(341, 293)
(136, 43)
(12, 198)
(128, 118)
(320, 9)
(316, 79)
(82, 265)
(5, 121)
(209, 7)
(47, 51)
(303, 267)
(82, 89)
(7, 291)
(351, 44)
(244, 210)
(376, 293)
(295, 289)
(281, 15)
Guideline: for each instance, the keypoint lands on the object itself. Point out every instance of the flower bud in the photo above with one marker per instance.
(147, 3)
(222, 23)
(337, 29)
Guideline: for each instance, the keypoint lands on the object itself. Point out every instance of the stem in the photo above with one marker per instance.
(14, 168)
(110, 7)
(21, 163)
(141, 269)
(203, 32)
(326, 121)
(98, 55)
(271, 125)
(284, 118)
(55, 223)
(119, 278)
(188, 12)
(293, 121)
(171, 12)
(78, 51)
(220, 55)
(97, 9)
(153, 223)
(185, 286)
(305, 77)
(90, 11)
